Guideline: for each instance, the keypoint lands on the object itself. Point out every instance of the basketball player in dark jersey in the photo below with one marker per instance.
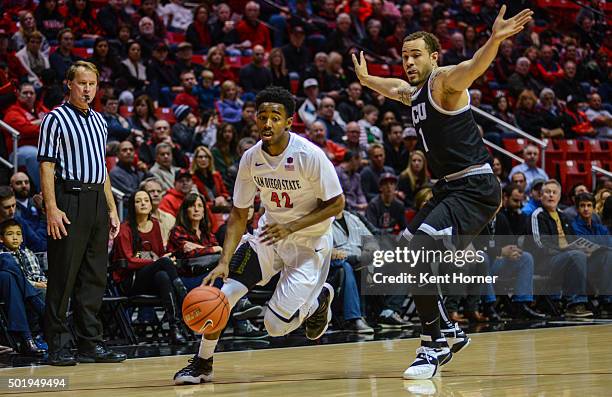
(467, 194)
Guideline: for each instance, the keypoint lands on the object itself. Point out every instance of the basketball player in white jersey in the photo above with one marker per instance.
(301, 194)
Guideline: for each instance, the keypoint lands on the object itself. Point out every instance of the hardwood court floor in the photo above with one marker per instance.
(567, 361)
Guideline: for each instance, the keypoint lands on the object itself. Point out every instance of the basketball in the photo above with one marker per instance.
(206, 310)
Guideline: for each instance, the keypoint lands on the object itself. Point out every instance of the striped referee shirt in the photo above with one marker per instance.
(76, 142)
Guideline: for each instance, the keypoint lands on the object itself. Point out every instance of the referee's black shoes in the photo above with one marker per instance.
(61, 358)
(101, 355)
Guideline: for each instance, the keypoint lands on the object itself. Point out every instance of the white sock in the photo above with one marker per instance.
(233, 290)
(207, 348)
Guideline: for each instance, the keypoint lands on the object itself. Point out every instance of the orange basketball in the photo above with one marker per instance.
(206, 310)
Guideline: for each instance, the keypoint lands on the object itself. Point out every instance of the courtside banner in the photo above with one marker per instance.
(485, 265)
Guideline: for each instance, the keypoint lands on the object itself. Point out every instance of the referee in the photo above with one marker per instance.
(81, 217)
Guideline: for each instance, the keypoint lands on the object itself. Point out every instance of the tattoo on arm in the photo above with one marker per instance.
(405, 95)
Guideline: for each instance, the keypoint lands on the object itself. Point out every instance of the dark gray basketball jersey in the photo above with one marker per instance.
(450, 139)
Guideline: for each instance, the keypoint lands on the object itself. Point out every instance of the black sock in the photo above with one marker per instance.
(445, 322)
(427, 306)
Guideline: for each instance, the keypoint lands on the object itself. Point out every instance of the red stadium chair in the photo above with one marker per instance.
(82, 52)
(574, 149)
(198, 59)
(515, 145)
(111, 161)
(175, 37)
(397, 71)
(599, 150)
(165, 114)
(572, 172)
(378, 69)
(294, 85)
(409, 215)
(126, 111)
(554, 155)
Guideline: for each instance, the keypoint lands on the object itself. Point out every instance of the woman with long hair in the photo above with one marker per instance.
(224, 151)
(149, 270)
(143, 117)
(527, 117)
(198, 32)
(414, 177)
(500, 171)
(191, 236)
(600, 199)
(27, 25)
(208, 181)
(134, 72)
(278, 67)
(471, 41)
(229, 105)
(106, 62)
(501, 109)
(215, 62)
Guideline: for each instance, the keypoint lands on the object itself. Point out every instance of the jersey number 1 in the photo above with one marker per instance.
(277, 200)
(423, 137)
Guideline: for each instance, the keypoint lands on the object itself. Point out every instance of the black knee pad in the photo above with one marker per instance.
(244, 266)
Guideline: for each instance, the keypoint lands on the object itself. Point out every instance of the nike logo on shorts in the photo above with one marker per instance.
(258, 164)
(317, 250)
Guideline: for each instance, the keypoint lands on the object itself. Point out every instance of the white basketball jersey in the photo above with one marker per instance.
(289, 188)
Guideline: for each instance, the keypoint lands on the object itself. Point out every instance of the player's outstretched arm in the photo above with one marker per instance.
(460, 77)
(236, 225)
(397, 89)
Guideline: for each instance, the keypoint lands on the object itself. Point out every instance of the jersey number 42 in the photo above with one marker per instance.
(284, 196)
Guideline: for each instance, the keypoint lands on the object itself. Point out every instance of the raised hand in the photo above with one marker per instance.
(504, 28)
(361, 67)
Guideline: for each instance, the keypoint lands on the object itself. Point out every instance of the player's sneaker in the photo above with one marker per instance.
(245, 310)
(427, 361)
(199, 370)
(317, 323)
(456, 339)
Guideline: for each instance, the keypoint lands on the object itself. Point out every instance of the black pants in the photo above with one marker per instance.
(77, 269)
(457, 213)
(157, 279)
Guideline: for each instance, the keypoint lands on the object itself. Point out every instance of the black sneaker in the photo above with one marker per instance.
(578, 311)
(392, 320)
(246, 330)
(61, 358)
(317, 323)
(198, 371)
(244, 310)
(101, 354)
(456, 339)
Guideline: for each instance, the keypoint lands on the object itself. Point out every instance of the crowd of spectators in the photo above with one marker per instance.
(177, 86)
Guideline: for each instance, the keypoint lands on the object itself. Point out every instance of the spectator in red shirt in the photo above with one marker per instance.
(249, 28)
(16, 71)
(215, 62)
(174, 196)
(149, 269)
(25, 116)
(317, 135)
(188, 81)
(549, 70)
(192, 236)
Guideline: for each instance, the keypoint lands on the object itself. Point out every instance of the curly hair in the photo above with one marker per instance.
(278, 95)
